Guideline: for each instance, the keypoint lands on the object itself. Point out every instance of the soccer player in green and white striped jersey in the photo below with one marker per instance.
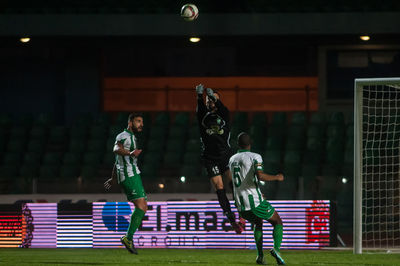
(247, 170)
(128, 175)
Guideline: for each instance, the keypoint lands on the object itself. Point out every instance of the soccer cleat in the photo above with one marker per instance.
(129, 245)
(277, 256)
(260, 261)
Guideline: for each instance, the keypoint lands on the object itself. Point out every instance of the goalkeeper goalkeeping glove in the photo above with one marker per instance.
(210, 94)
(199, 89)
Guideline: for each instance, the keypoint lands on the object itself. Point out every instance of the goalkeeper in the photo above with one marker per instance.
(247, 170)
(214, 129)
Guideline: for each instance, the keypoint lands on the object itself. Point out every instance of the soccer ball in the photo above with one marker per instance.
(189, 12)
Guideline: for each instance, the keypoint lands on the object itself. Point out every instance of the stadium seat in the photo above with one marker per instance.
(29, 171)
(5, 120)
(276, 131)
(103, 119)
(98, 132)
(18, 132)
(78, 132)
(52, 158)
(294, 144)
(334, 144)
(335, 131)
(299, 118)
(318, 118)
(69, 171)
(175, 145)
(259, 119)
(181, 119)
(121, 119)
(287, 189)
(156, 145)
(330, 170)
(296, 132)
(83, 119)
(109, 145)
(12, 158)
(44, 119)
(191, 158)
(151, 157)
(77, 145)
(92, 159)
(71, 158)
(279, 118)
(240, 120)
(38, 132)
(89, 172)
(177, 132)
(193, 145)
(149, 171)
(269, 189)
(114, 130)
(96, 145)
(32, 158)
(16, 145)
(315, 131)
(336, 118)
(312, 157)
(272, 156)
(8, 172)
(274, 143)
(25, 120)
(327, 188)
(48, 172)
(58, 134)
(161, 119)
(310, 170)
(292, 163)
(171, 159)
(158, 132)
(109, 158)
(334, 157)
(194, 132)
(36, 146)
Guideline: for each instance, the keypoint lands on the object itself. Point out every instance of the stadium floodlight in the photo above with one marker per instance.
(376, 164)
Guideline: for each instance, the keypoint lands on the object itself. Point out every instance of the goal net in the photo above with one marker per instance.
(376, 164)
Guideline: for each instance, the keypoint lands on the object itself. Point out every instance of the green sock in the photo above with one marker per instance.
(278, 234)
(258, 237)
(136, 219)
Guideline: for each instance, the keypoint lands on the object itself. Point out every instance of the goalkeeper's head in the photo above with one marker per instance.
(244, 141)
(211, 102)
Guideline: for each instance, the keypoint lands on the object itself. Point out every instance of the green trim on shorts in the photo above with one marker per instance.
(263, 211)
(133, 188)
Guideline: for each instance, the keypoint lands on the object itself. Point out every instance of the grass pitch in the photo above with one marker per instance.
(185, 257)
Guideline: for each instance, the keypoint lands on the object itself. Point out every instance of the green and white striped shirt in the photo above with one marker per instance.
(126, 165)
(243, 166)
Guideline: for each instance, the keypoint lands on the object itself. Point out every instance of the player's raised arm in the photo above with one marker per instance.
(222, 110)
(201, 108)
(266, 177)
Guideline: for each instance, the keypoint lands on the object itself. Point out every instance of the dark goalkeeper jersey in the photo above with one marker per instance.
(214, 130)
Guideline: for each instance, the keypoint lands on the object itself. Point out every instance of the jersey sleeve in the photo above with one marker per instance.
(222, 110)
(258, 163)
(120, 139)
(201, 109)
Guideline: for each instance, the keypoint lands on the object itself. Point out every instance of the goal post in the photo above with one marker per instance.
(376, 218)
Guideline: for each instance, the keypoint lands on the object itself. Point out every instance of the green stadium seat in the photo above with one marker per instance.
(92, 158)
(38, 132)
(114, 130)
(16, 145)
(274, 143)
(330, 170)
(49, 172)
(309, 187)
(52, 158)
(193, 145)
(89, 172)
(327, 188)
(95, 145)
(99, 132)
(269, 189)
(349, 156)
(18, 132)
(12, 158)
(294, 144)
(110, 144)
(334, 144)
(318, 118)
(5, 120)
(182, 119)
(175, 145)
(335, 131)
(279, 118)
(172, 159)
(103, 119)
(191, 158)
(149, 171)
(312, 157)
(69, 171)
(315, 131)
(44, 119)
(161, 119)
(194, 132)
(109, 158)
(158, 132)
(310, 170)
(336, 118)
(156, 145)
(272, 156)
(78, 132)
(191, 172)
(348, 171)
(58, 134)
(350, 131)
(259, 119)
(122, 119)
(296, 132)
(84, 119)
(334, 157)
(25, 120)
(240, 120)
(272, 168)
(314, 144)
(151, 157)
(72, 158)
(299, 118)
(36, 146)
(8, 172)
(32, 158)
(287, 189)
(276, 131)
(29, 171)
(292, 163)
(77, 145)
(177, 132)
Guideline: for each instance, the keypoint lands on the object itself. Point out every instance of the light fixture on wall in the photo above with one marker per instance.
(194, 39)
(24, 39)
(365, 38)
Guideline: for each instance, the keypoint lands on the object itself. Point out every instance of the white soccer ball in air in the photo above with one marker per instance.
(189, 12)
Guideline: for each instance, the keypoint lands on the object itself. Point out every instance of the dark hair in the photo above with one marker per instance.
(243, 140)
(133, 115)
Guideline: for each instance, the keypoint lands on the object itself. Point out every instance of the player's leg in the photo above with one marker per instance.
(258, 234)
(277, 233)
(135, 193)
(228, 176)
